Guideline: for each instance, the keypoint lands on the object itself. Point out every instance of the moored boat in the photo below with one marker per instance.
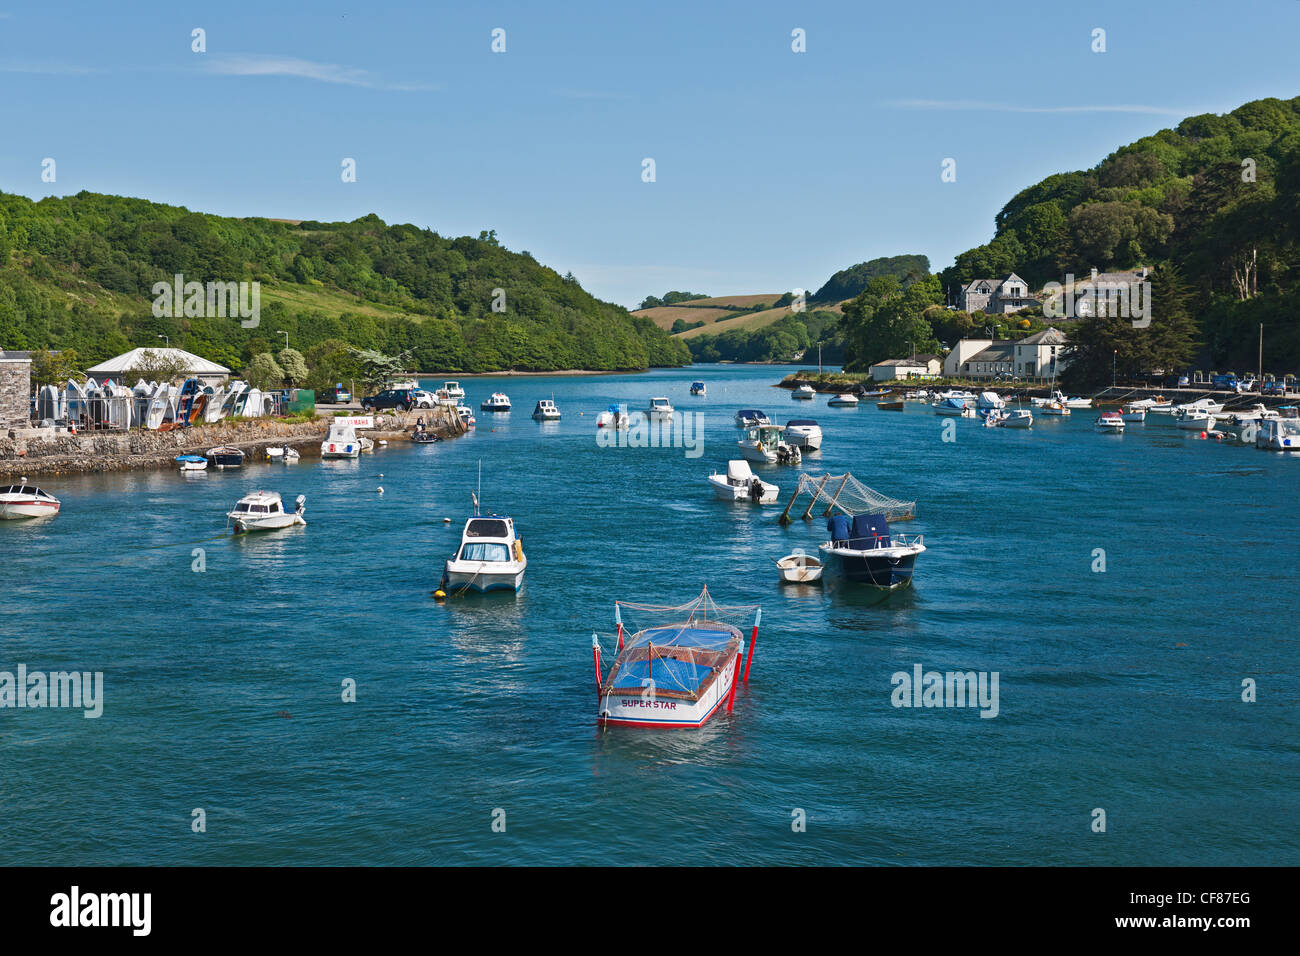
(490, 557)
(954, 408)
(739, 483)
(496, 402)
(766, 444)
(1016, 418)
(1133, 414)
(843, 400)
(191, 463)
(25, 500)
(749, 417)
(1109, 422)
(546, 411)
(804, 392)
(800, 568)
(1278, 434)
(660, 408)
(265, 511)
(698, 388)
(893, 405)
(341, 442)
(862, 549)
(453, 389)
(804, 433)
(226, 456)
(285, 454)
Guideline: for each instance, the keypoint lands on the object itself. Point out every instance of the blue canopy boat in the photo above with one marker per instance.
(862, 549)
(697, 388)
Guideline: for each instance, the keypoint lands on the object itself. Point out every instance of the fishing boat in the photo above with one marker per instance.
(1055, 409)
(490, 557)
(749, 417)
(26, 501)
(546, 411)
(800, 568)
(264, 511)
(466, 415)
(804, 392)
(226, 456)
(739, 483)
(954, 408)
(341, 442)
(843, 400)
(862, 549)
(804, 433)
(697, 388)
(192, 463)
(1193, 419)
(285, 454)
(496, 402)
(893, 405)
(454, 390)
(1016, 418)
(1278, 434)
(660, 408)
(674, 674)
(1133, 415)
(1109, 422)
(766, 444)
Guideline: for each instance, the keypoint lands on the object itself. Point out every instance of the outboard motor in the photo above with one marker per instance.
(302, 504)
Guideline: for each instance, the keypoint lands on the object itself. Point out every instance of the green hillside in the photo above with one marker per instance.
(76, 272)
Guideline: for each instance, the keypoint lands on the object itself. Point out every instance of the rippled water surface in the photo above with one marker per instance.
(1118, 690)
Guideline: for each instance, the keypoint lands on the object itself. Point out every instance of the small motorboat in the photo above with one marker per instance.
(264, 511)
(843, 400)
(226, 456)
(466, 415)
(893, 405)
(546, 411)
(803, 433)
(992, 417)
(989, 401)
(749, 417)
(496, 402)
(615, 416)
(741, 484)
(1150, 404)
(1193, 419)
(1109, 422)
(862, 549)
(954, 408)
(26, 501)
(192, 463)
(800, 568)
(1133, 414)
(285, 454)
(677, 673)
(490, 557)
(1054, 408)
(1078, 403)
(660, 407)
(453, 390)
(697, 388)
(1278, 434)
(1016, 418)
(766, 444)
(341, 442)
(422, 436)
(804, 392)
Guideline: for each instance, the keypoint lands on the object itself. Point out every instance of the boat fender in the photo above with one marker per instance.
(519, 549)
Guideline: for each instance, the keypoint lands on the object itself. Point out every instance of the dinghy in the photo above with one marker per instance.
(191, 463)
(800, 568)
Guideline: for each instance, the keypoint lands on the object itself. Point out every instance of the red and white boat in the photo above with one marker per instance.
(26, 501)
(674, 674)
(1109, 422)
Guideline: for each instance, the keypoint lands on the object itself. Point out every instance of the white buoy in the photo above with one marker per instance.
(381, 489)
(446, 521)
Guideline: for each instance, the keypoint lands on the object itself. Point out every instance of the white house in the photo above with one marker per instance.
(961, 353)
(1040, 355)
(915, 366)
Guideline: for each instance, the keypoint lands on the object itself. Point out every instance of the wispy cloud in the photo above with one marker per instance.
(264, 64)
(50, 68)
(981, 106)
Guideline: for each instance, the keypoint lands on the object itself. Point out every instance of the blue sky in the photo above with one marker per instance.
(773, 168)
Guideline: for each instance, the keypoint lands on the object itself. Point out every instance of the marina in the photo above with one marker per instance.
(474, 693)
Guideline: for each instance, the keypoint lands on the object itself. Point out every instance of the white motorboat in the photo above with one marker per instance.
(1078, 403)
(264, 511)
(1278, 434)
(546, 411)
(993, 417)
(749, 417)
(954, 408)
(26, 501)
(804, 432)
(615, 416)
(766, 444)
(453, 389)
(1193, 420)
(1133, 415)
(843, 400)
(1016, 418)
(739, 483)
(1243, 424)
(285, 454)
(490, 557)
(918, 395)
(466, 415)
(800, 568)
(1109, 422)
(804, 392)
(1201, 404)
(988, 401)
(1151, 404)
(496, 402)
(341, 442)
(660, 407)
(192, 463)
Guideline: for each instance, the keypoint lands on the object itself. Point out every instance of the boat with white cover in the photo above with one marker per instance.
(264, 511)
(804, 392)
(490, 557)
(843, 400)
(25, 500)
(804, 433)
(739, 483)
(954, 408)
(342, 441)
(749, 417)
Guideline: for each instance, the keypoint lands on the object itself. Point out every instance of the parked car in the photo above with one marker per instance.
(1273, 388)
(389, 398)
(337, 395)
(422, 399)
(1227, 381)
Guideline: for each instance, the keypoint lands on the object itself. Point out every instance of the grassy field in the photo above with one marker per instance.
(329, 301)
(748, 321)
(664, 316)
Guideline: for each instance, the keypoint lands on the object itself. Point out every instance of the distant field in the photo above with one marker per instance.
(744, 301)
(748, 321)
(664, 316)
(329, 301)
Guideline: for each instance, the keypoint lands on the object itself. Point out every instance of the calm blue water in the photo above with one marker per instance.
(222, 688)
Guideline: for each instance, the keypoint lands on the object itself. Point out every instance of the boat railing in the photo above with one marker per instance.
(880, 542)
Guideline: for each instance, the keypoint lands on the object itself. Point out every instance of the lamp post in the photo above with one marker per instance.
(166, 341)
(1114, 359)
